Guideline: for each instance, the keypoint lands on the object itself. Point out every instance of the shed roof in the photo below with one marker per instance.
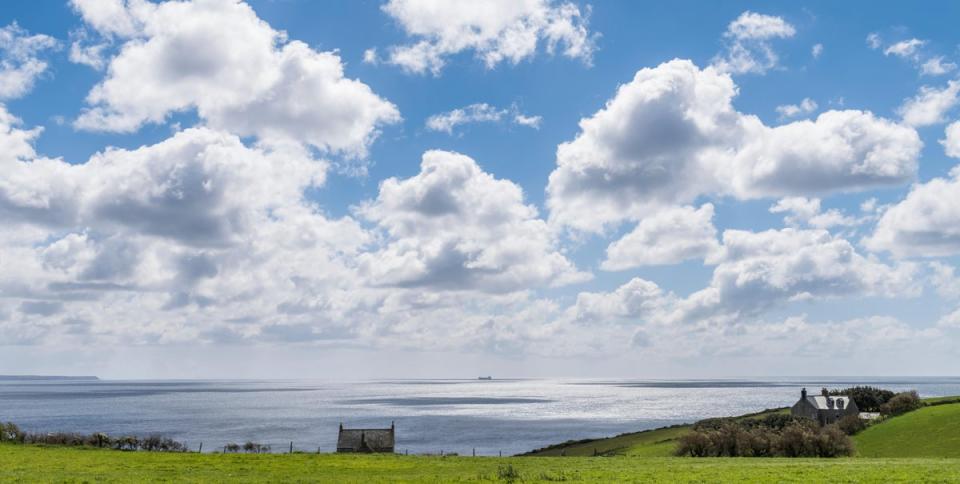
(374, 439)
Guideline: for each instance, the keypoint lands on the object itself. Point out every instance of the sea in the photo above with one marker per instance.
(486, 417)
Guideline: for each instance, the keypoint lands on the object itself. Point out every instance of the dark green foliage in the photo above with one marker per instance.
(231, 448)
(773, 421)
(851, 424)
(9, 432)
(255, 447)
(902, 403)
(869, 399)
(508, 473)
(772, 436)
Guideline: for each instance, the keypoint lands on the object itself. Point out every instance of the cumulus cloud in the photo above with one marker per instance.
(496, 31)
(637, 301)
(806, 106)
(802, 211)
(930, 105)
(238, 73)
(935, 66)
(905, 49)
(748, 47)
(945, 280)
(21, 61)
(951, 141)
(159, 243)
(924, 224)
(668, 237)
(455, 227)
(672, 135)
(756, 273)
(479, 113)
(759, 270)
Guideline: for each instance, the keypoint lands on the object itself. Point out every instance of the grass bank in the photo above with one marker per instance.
(59, 464)
(932, 431)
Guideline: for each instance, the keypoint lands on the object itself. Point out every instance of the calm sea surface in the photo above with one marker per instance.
(511, 416)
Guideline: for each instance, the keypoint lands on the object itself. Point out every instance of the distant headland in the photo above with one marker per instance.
(46, 378)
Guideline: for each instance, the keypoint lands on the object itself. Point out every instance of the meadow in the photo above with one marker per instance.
(34, 463)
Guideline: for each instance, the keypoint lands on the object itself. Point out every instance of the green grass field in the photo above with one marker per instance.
(928, 432)
(39, 464)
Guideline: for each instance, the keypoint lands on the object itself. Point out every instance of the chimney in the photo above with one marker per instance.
(341, 426)
(391, 425)
(803, 394)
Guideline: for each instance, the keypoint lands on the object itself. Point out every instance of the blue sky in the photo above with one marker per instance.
(528, 283)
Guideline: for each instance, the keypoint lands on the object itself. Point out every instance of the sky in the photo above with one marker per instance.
(427, 188)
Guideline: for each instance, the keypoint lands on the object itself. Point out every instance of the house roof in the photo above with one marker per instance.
(373, 438)
(820, 402)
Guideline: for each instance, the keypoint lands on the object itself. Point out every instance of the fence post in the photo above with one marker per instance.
(501, 453)
(474, 451)
(291, 446)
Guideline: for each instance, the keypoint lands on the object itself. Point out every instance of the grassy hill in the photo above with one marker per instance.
(932, 431)
(20, 463)
(648, 443)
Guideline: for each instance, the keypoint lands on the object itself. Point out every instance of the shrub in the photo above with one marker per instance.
(902, 403)
(9, 432)
(869, 399)
(832, 442)
(784, 437)
(231, 448)
(851, 424)
(255, 448)
(694, 444)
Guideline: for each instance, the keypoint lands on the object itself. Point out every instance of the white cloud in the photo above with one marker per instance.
(924, 224)
(478, 113)
(638, 301)
(667, 237)
(748, 49)
(455, 227)
(474, 113)
(20, 61)
(163, 243)
(802, 211)
(874, 41)
(496, 31)
(950, 321)
(756, 273)
(529, 121)
(370, 56)
(945, 280)
(672, 135)
(930, 105)
(906, 49)
(237, 72)
(806, 106)
(951, 141)
(935, 66)
(755, 26)
(816, 51)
